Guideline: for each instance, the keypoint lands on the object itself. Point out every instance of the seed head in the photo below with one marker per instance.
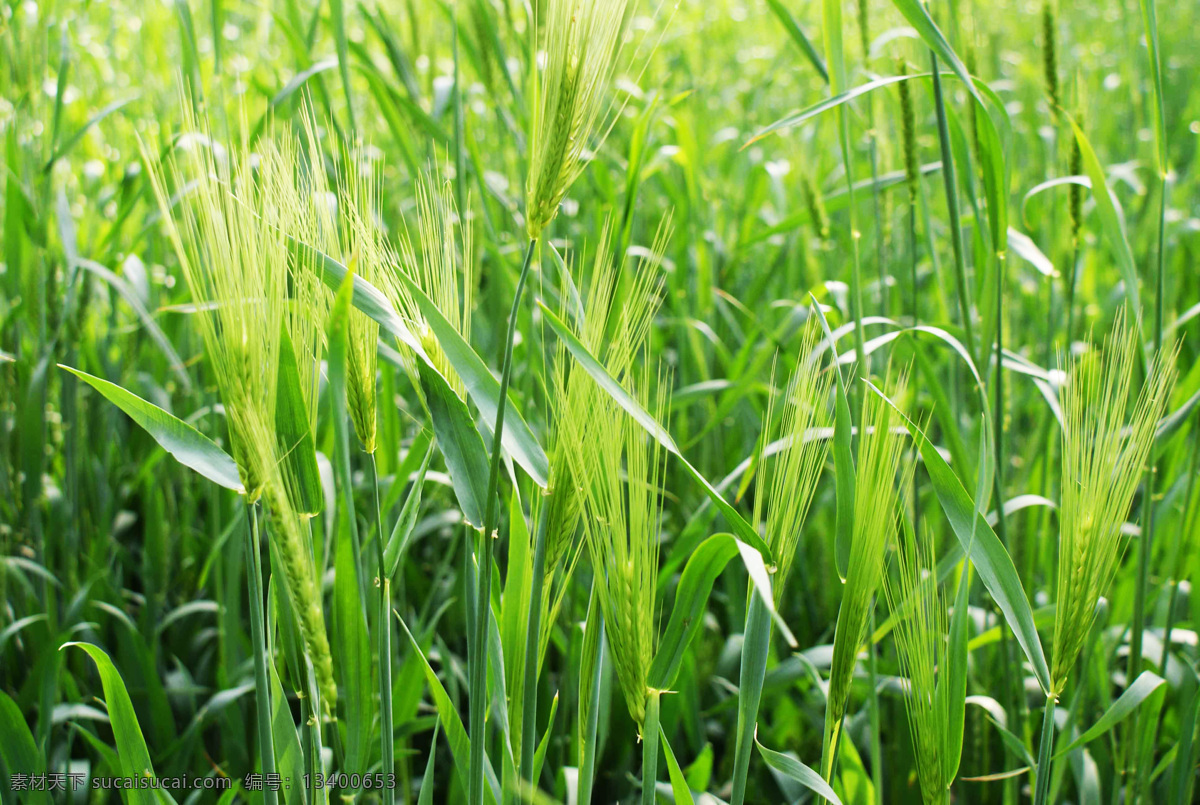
(621, 470)
(816, 207)
(908, 133)
(1102, 463)
(572, 109)
(441, 265)
(1050, 56)
(345, 225)
(797, 465)
(876, 513)
(230, 242)
(231, 237)
(1075, 202)
(921, 628)
(619, 337)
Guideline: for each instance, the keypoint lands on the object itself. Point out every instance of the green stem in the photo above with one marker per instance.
(587, 763)
(1045, 751)
(262, 693)
(533, 649)
(876, 741)
(387, 740)
(950, 181)
(650, 747)
(756, 647)
(1144, 544)
(477, 658)
(1177, 559)
(1073, 280)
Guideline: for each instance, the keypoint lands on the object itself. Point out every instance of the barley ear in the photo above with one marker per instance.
(1050, 56)
(1104, 454)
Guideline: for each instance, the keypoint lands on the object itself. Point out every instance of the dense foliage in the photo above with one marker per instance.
(815, 384)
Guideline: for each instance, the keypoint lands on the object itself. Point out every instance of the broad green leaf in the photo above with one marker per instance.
(955, 678)
(77, 135)
(1112, 223)
(483, 387)
(679, 784)
(289, 756)
(591, 669)
(1172, 422)
(350, 641)
(991, 150)
(918, 17)
(514, 615)
(831, 27)
(293, 432)
(1184, 774)
(17, 747)
(986, 552)
(650, 728)
(338, 15)
(456, 733)
(189, 447)
(1129, 701)
(539, 754)
(353, 654)
(802, 41)
(793, 769)
(460, 443)
(131, 746)
(131, 298)
(1150, 24)
(691, 599)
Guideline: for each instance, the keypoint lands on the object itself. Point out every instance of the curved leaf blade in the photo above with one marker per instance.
(483, 387)
(292, 430)
(1129, 701)
(795, 770)
(189, 446)
(131, 745)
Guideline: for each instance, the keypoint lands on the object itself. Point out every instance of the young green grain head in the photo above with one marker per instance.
(797, 466)
(572, 108)
(576, 395)
(1050, 56)
(864, 28)
(1103, 458)
(1075, 203)
(908, 133)
(231, 238)
(818, 218)
(441, 265)
(233, 255)
(345, 225)
(880, 472)
(620, 468)
(921, 631)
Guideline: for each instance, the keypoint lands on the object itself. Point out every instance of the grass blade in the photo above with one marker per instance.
(793, 769)
(131, 746)
(190, 448)
(1129, 701)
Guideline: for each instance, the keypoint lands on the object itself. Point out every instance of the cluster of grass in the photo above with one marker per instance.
(600, 400)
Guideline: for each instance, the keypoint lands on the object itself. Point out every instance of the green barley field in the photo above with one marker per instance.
(597, 401)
